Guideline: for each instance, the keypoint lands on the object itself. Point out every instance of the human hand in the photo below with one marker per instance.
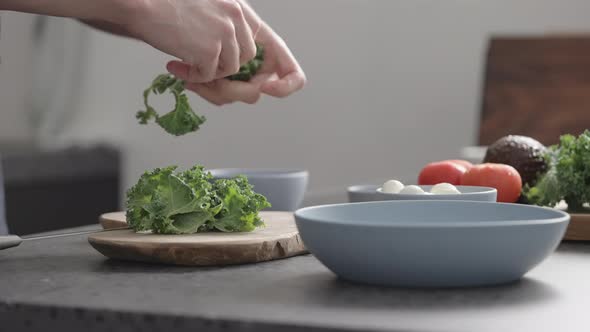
(212, 38)
(280, 75)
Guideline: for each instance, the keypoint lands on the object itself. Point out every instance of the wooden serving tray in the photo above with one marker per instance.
(279, 239)
(579, 227)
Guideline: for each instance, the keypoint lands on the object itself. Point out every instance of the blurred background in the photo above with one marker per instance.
(392, 85)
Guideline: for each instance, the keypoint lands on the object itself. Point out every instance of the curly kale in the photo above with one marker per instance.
(568, 177)
(169, 202)
(182, 119)
(240, 205)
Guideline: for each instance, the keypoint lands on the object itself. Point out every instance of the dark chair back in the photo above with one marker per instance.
(3, 227)
(536, 86)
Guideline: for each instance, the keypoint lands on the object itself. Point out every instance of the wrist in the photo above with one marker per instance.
(113, 11)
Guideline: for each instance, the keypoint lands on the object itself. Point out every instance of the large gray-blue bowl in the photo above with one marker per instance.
(284, 188)
(431, 243)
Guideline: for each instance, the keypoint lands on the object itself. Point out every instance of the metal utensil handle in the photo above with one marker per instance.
(52, 236)
(9, 241)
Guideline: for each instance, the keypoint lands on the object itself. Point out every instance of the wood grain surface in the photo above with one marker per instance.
(537, 87)
(579, 227)
(279, 239)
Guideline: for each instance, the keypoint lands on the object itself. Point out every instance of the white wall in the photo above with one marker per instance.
(15, 75)
(392, 85)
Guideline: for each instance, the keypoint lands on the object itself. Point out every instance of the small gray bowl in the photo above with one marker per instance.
(431, 243)
(363, 193)
(468, 193)
(284, 188)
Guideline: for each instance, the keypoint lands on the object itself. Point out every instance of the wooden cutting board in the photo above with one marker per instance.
(279, 239)
(579, 227)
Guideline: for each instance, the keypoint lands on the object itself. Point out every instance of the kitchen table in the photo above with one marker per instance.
(62, 284)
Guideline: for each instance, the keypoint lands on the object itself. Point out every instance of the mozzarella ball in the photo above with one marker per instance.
(392, 187)
(412, 190)
(444, 189)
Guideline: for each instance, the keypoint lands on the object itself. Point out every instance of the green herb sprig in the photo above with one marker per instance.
(568, 175)
(182, 119)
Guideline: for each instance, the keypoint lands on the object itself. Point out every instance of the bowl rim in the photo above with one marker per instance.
(482, 190)
(560, 216)
(259, 172)
(364, 188)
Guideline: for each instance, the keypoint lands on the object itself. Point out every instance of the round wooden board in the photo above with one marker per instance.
(113, 220)
(579, 227)
(279, 239)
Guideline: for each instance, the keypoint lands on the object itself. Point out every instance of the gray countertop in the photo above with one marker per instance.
(64, 284)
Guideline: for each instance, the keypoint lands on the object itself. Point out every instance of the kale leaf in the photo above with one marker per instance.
(240, 205)
(568, 176)
(165, 201)
(182, 119)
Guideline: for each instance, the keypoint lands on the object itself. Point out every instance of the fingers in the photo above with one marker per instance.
(178, 69)
(208, 93)
(223, 91)
(253, 20)
(226, 92)
(284, 86)
(291, 76)
(286, 63)
(205, 70)
(229, 59)
(228, 43)
(237, 42)
(245, 39)
(201, 72)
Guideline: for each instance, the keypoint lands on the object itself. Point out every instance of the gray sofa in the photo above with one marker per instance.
(3, 228)
(50, 190)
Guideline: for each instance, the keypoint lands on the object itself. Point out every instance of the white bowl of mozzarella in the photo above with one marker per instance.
(396, 190)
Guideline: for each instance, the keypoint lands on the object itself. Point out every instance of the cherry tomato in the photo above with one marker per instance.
(441, 171)
(504, 178)
(463, 163)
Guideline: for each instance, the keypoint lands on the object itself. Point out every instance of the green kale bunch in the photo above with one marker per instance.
(182, 119)
(166, 201)
(568, 176)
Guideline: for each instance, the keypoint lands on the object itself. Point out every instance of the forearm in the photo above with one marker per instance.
(115, 29)
(114, 11)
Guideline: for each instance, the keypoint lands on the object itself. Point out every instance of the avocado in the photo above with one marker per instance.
(523, 153)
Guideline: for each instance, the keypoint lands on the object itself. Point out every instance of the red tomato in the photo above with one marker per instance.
(463, 163)
(441, 171)
(504, 178)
